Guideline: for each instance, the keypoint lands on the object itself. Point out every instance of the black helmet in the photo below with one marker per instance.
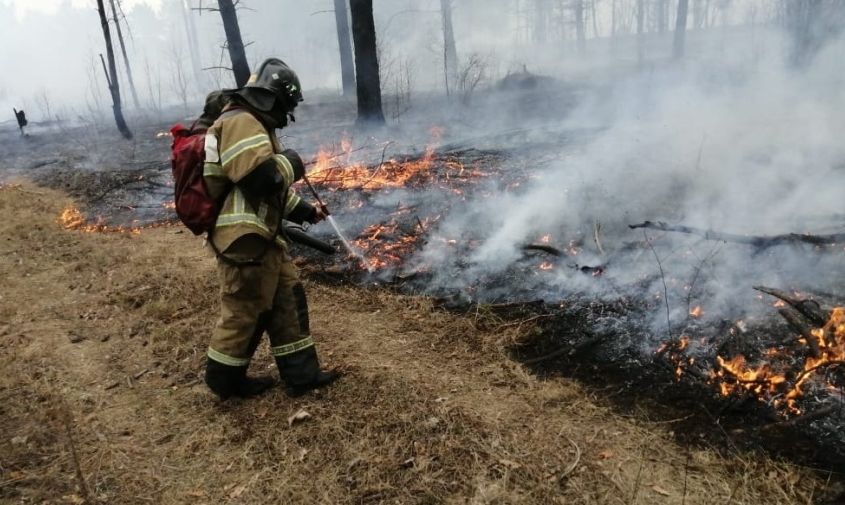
(273, 86)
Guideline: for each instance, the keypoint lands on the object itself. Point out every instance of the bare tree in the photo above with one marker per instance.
(125, 57)
(366, 63)
(347, 65)
(680, 29)
(234, 42)
(811, 23)
(450, 53)
(640, 31)
(193, 45)
(541, 18)
(178, 79)
(662, 15)
(579, 26)
(111, 74)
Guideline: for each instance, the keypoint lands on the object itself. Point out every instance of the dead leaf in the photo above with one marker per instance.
(199, 493)
(302, 454)
(298, 417)
(239, 490)
(606, 454)
(659, 490)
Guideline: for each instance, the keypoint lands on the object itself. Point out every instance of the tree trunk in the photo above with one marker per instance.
(347, 65)
(540, 18)
(125, 58)
(680, 29)
(366, 63)
(640, 31)
(240, 67)
(193, 46)
(579, 26)
(450, 53)
(111, 74)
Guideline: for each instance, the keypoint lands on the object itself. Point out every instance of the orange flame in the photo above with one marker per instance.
(737, 376)
(72, 218)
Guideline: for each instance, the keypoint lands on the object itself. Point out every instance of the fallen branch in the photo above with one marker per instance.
(799, 326)
(808, 308)
(760, 242)
(804, 418)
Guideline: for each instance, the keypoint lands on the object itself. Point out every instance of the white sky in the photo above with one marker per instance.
(22, 7)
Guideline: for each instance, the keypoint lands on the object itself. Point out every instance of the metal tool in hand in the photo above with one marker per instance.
(349, 247)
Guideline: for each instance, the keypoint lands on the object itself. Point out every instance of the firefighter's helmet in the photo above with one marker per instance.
(273, 86)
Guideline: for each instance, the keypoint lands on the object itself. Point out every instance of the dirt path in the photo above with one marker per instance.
(102, 342)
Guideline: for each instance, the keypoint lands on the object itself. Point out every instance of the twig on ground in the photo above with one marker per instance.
(596, 231)
(380, 164)
(83, 487)
(572, 466)
(663, 279)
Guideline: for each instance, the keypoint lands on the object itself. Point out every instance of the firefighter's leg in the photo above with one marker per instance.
(246, 295)
(290, 335)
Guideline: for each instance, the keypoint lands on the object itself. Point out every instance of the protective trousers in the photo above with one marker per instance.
(264, 296)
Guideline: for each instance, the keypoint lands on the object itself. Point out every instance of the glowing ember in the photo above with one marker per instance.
(696, 311)
(546, 265)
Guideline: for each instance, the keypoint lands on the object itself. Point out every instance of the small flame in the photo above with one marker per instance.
(696, 311)
(546, 266)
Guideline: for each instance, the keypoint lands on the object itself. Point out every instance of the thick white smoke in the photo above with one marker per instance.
(741, 147)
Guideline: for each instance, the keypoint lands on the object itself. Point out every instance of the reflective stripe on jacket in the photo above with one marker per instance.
(235, 145)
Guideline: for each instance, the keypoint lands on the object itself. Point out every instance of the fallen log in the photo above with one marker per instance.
(758, 241)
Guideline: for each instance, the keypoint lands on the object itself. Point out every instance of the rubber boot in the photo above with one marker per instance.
(301, 372)
(228, 381)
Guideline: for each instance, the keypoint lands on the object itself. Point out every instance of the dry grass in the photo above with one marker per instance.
(102, 341)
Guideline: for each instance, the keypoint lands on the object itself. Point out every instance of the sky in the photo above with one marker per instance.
(24, 7)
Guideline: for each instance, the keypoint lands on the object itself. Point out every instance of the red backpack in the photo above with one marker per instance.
(194, 205)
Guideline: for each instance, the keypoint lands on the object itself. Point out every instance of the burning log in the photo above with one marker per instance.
(759, 242)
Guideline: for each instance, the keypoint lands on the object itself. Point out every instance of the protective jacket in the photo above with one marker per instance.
(244, 162)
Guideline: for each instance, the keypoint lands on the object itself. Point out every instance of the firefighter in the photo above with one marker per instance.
(260, 287)
(20, 116)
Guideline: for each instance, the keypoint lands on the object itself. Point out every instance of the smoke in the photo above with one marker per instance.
(738, 147)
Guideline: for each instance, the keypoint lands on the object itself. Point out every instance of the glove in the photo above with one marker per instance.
(320, 213)
(296, 162)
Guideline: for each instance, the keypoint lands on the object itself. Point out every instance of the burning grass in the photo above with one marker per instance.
(104, 364)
